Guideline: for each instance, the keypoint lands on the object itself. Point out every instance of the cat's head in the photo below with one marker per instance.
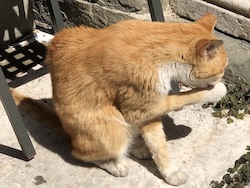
(209, 58)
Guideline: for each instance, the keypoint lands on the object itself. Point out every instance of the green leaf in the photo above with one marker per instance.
(216, 114)
(237, 98)
(239, 175)
(233, 112)
(240, 116)
(215, 184)
(231, 170)
(227, 178)
(247, 156)
(229, 120)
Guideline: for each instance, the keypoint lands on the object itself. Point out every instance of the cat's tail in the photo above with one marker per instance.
(38, 110)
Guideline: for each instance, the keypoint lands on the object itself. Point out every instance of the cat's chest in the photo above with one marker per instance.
(167, 78)
(171, 73)
(163, 85)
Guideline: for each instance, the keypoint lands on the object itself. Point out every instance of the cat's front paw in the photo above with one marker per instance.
(215, 94)
(174, 176)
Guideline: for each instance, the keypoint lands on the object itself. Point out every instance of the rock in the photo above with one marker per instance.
(42, 16)
(100, 13)
(124, 5)
(241, 7)
(227, 21)
(133, 5)
(239, 59)
(91, 14)
(94, 13)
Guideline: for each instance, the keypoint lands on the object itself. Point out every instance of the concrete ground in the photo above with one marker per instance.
(202, 145)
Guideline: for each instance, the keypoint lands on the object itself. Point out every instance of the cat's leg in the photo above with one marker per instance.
(108, 153)
(102, 139)
(144, 111)
(154, 137)
(139, 148)
(178, 101)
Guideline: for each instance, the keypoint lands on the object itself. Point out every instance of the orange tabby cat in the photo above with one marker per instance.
(111, 85)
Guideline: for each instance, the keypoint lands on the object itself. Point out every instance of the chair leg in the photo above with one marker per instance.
(155, 9)
(15, 118)
(156, 12)
(56, 15)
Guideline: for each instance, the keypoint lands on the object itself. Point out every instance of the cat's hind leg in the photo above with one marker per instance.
(103, 138)
(139, 148)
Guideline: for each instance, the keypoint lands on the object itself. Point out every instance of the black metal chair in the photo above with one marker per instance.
(18, 24)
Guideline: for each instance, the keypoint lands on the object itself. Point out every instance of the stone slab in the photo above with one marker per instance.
(105, 12)
(240, 6)
(91, 14)
(239, 59)
(228, 22)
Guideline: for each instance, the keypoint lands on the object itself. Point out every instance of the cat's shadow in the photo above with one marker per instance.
(58, 144)
(174, 131)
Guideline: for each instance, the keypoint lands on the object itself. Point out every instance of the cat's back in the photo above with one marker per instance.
(72, 38)
(123, 34)
(120, 46)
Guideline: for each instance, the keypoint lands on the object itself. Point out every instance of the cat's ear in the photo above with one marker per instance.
(208, 48)
(207, 21)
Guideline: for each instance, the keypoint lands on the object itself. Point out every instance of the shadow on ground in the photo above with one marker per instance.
(174, 131)
(57, 143)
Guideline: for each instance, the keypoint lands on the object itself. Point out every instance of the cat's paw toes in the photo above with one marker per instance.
(117, 168)
(175, 176)
(121, 169)
(139, 149)
(141, 153)
(217, 93)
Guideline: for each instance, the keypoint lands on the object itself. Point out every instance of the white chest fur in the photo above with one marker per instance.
(172, 72)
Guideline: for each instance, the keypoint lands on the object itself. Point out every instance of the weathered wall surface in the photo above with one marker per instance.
(235, 22)
(95, 13)
(99, 13)
(238, 69)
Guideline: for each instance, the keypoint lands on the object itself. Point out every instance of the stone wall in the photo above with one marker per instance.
(231, 19)
(100, 13)
(94, 13)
